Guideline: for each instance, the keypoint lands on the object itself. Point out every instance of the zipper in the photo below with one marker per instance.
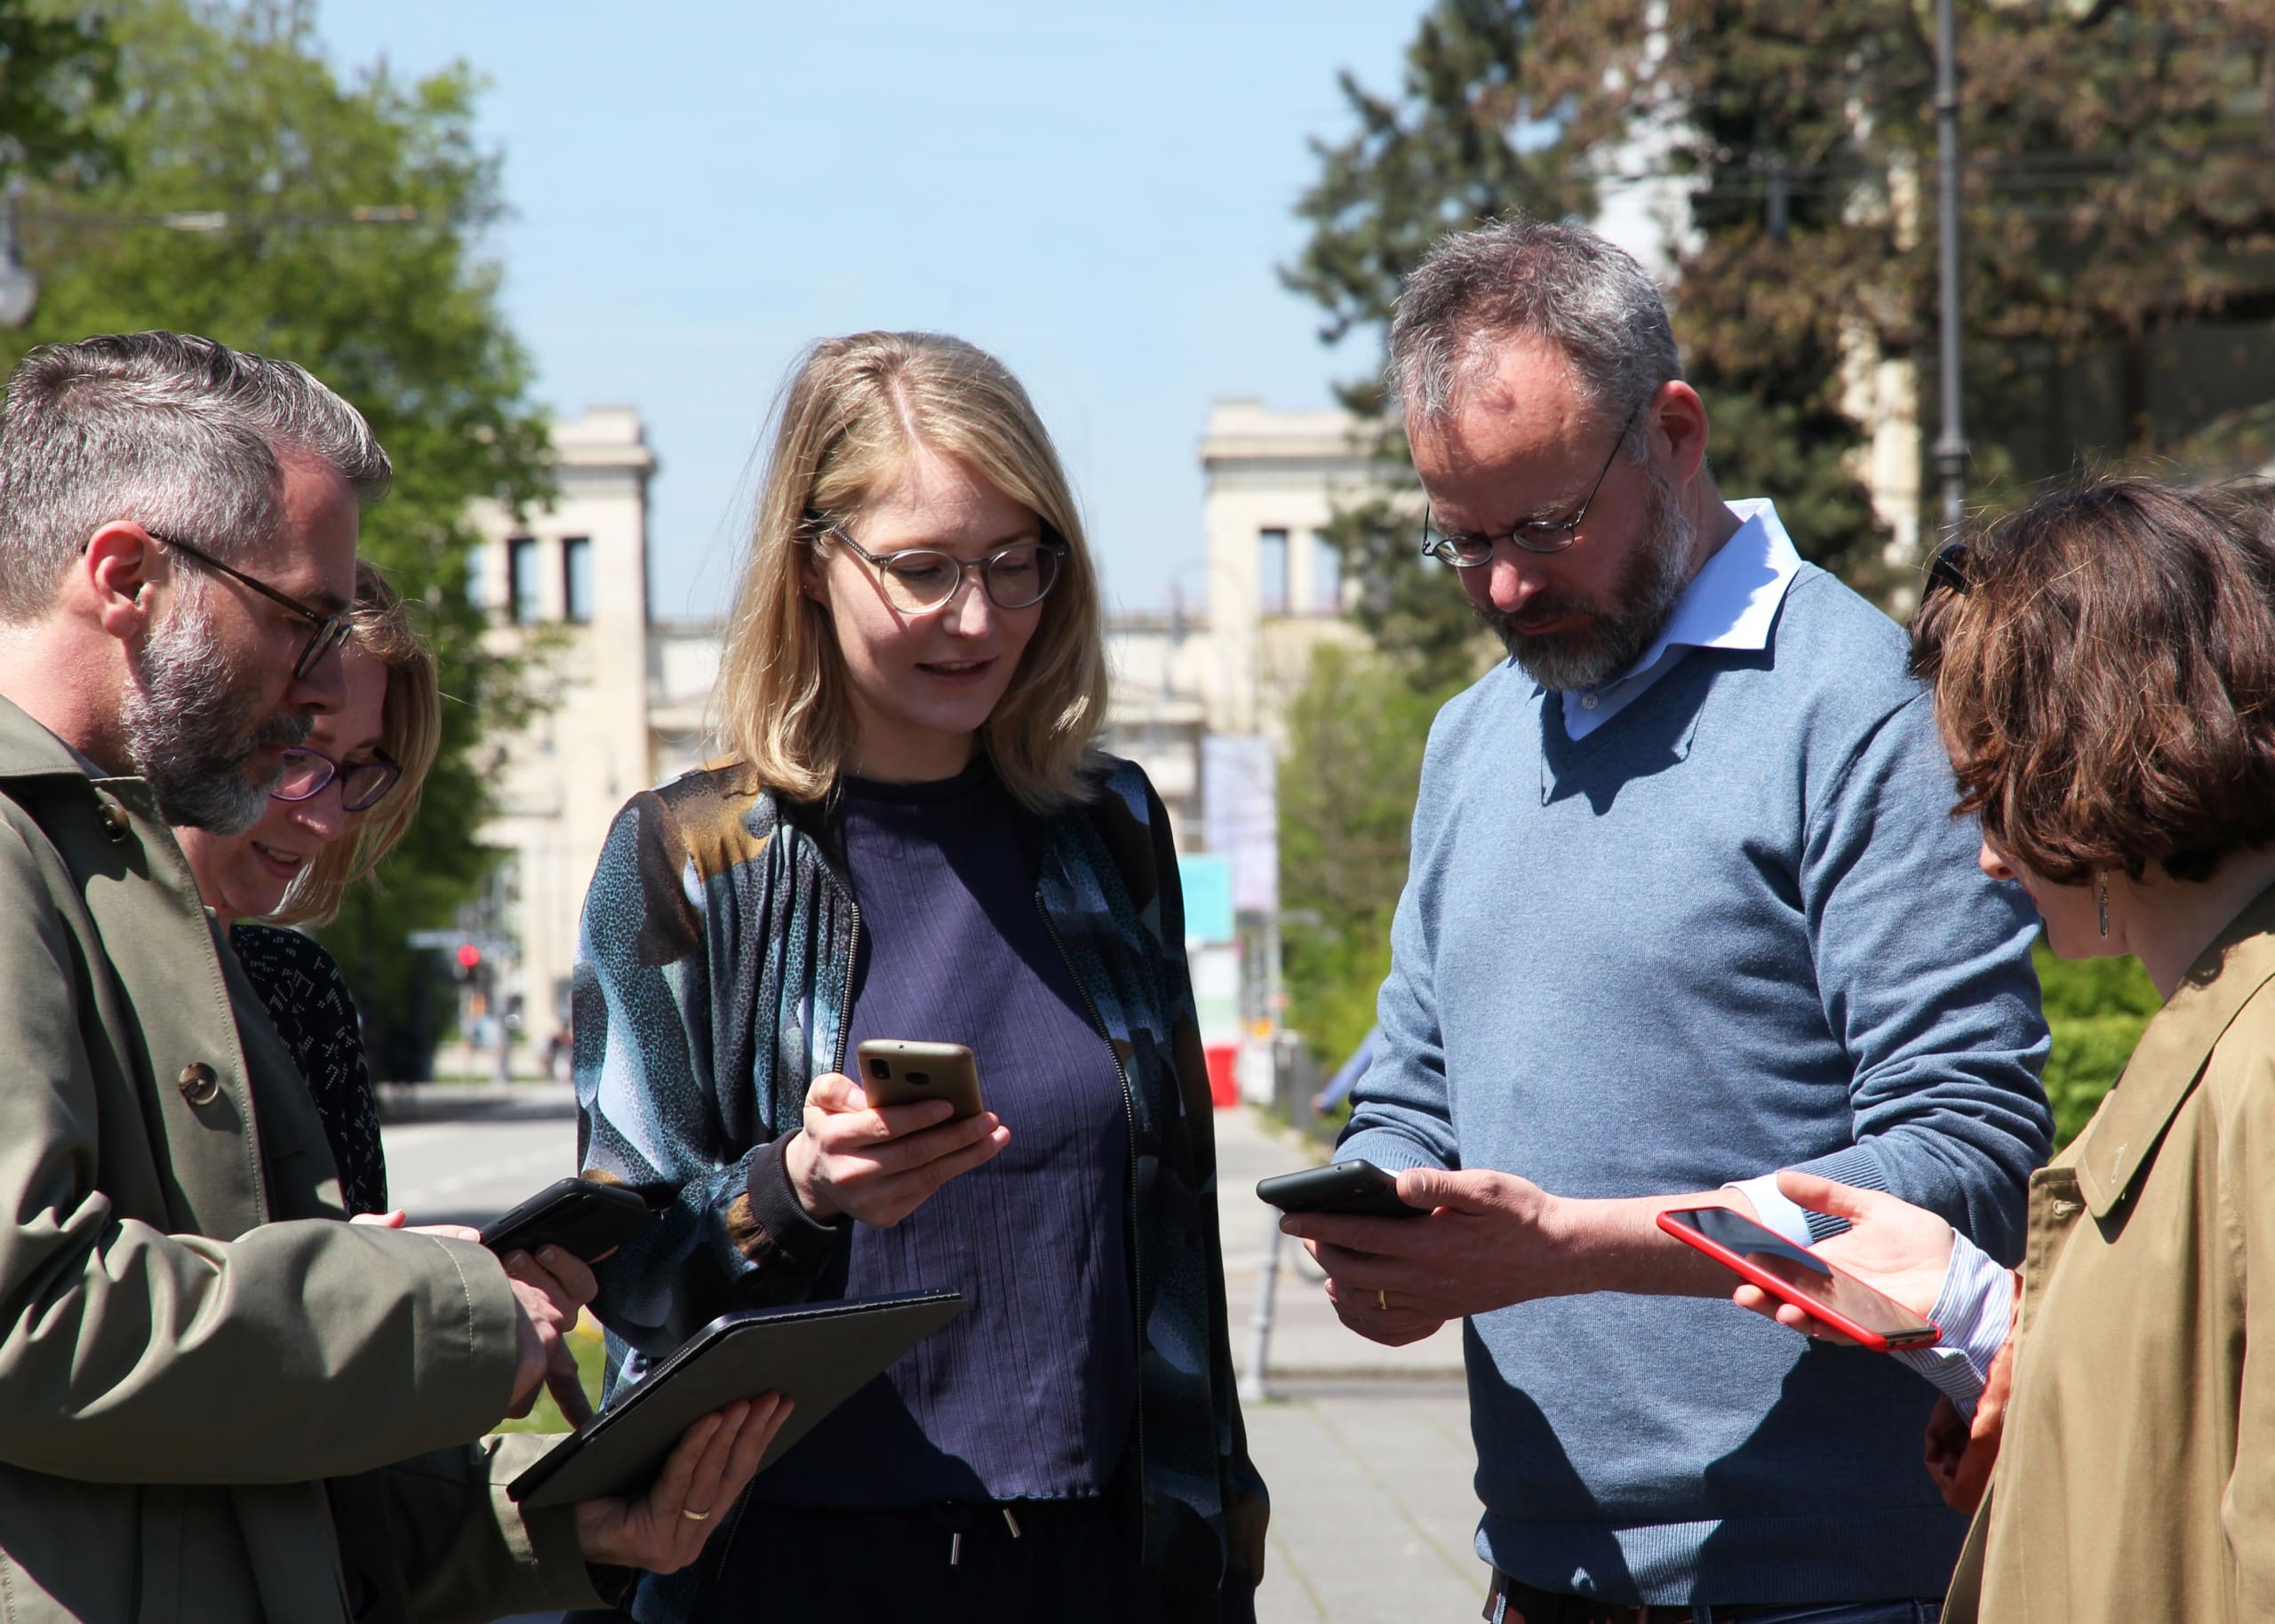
(1137, 1250)
(725, 1540)
(845, 1016)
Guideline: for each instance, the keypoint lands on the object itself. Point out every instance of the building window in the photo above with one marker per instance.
(1271, 572)
(522, 599)
(577, 578)
(1327, 575)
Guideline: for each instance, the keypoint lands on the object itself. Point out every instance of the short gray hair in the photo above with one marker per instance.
(174, 432)
(1519, 275)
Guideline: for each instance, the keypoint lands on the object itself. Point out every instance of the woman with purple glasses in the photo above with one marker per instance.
(348, 795)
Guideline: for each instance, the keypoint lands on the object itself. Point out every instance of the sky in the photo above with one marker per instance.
(1098, 193)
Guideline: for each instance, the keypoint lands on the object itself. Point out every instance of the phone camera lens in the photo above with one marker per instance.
(919, 1079)
(882, 1070)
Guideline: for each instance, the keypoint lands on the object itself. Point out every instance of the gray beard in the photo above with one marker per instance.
(187, 732)
(1610, 640)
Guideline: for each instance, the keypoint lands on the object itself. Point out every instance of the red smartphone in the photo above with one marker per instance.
(1799, 1275)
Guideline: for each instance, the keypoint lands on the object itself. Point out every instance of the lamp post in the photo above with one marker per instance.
(19, 288)
(1951, 444)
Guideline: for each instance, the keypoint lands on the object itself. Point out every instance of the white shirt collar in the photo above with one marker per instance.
(1733, 598)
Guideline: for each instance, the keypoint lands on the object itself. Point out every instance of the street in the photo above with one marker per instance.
(1366, 1449)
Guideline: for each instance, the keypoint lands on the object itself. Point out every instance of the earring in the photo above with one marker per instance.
(2101, 888)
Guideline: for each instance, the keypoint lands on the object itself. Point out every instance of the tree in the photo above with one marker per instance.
(1355, 733)
(263, 201)
(2119, 207)
(55, 72)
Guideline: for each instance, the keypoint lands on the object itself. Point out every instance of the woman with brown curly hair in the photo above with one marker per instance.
(2104, 663)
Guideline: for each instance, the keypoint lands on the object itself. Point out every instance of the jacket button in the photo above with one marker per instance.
(114, 825)
(199, 1085)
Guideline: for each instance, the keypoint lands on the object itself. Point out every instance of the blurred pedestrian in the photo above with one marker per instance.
(917, 840)
(2104, 663)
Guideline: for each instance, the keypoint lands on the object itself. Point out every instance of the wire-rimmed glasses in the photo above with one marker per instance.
(918, 580)
(1474, 549)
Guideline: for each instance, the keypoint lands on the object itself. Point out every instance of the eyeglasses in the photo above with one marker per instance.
(919, 579)
(331, 630)
(1475, 551)
(362, 784)
(1947, 569)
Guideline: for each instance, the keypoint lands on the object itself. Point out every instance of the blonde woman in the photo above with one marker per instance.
(348, 792)
(915, 838)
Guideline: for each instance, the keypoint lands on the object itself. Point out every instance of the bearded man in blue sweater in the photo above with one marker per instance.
(1687, 906)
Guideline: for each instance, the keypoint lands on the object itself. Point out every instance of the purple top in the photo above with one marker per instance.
(1031, 1392)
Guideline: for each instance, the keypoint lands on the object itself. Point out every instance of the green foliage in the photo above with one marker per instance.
(55, 71)
(2117, 197)
(342, 219)
(2098, 1008)
(1355, 735)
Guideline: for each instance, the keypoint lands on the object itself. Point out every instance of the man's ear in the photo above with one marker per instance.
(116, 575)
(1680, 429)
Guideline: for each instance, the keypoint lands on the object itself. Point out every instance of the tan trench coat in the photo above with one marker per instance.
(2137, 1476)
(190, 1343)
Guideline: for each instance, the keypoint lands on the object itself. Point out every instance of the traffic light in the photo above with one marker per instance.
(469, 963)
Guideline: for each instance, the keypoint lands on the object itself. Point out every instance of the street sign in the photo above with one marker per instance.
(441, 940)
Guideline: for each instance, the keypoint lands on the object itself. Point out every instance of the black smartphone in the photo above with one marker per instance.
(583, 1217)
(1358, 1189)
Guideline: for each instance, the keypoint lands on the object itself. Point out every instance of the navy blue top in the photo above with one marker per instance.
(1031, 1391)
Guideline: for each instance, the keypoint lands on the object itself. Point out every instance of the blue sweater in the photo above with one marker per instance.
(1735, 928)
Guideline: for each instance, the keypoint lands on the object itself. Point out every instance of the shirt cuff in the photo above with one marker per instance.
(1975, 1311)
(1774, 1209)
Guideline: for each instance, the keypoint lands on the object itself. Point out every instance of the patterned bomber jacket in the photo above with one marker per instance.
(712, 985)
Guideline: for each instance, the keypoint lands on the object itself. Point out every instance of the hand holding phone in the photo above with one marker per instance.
(585, 1218)
(1795, 1275)
(875, 1147)
(1355, 1189)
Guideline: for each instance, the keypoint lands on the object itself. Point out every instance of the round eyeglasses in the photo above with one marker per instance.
(1473, 550)
(362, 784)
(918, 580)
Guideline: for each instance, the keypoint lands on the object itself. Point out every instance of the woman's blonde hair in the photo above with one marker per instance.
(854, 409)
(411, 731)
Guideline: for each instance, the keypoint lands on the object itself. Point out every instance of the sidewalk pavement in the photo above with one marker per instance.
(1307, 1341)
(1365, 1449)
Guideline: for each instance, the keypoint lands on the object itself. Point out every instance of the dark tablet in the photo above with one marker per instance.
(819, 1355)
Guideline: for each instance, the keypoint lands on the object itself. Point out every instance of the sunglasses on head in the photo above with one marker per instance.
(1948, 569)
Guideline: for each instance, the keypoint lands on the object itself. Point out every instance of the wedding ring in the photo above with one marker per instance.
(1382, 1300)
(694, 1516)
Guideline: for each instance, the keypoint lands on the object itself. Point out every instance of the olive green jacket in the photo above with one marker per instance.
(191, 1344)
(2136, 1475)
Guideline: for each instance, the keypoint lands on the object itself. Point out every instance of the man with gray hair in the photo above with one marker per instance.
(1687, 906)
(217, 1400)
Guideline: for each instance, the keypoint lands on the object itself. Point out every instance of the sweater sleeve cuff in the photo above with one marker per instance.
(1974, 1312)
(1857, 1165)
(1390, 1150)
(779, 1228)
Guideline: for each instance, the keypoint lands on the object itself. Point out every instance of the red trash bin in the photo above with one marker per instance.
(1224, 1086)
